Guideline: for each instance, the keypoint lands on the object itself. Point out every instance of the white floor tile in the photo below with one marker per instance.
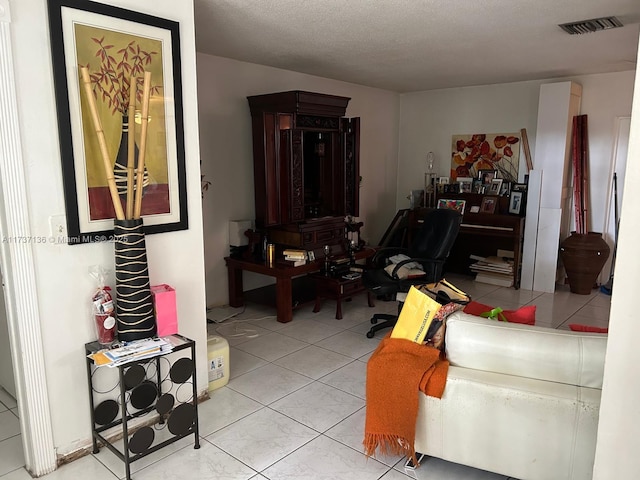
(3, 408)
(318, 406)
(15, 412)
(85, 467)
(262, 438)
(314, 362)
(19, 474)
(594, 311)
(7, 399)
(326, 459)
(272, 346)
(269, 383)
(237, 332)
(394, 475)
(351, 378)
(223, 408)
(206, 463)
(242, 362)
(513, 296)
(601, 300)
(351, 432)
(309, 331)
(9, 425)
(11, 454)
(584, 320)
(348, 343)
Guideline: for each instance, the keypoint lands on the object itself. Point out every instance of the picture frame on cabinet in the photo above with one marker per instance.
(465, 184)
(486, 176)
(516, 202)
(495, 186)
(109, 41)
(488, 205)
(453, 204)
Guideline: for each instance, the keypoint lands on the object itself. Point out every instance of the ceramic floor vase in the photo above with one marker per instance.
(134, 304)
(583, 256)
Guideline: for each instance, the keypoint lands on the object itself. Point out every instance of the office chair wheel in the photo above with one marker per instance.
(370, 334)
(374, 320)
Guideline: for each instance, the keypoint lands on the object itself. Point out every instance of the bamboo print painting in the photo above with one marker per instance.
(111, 45)
(486, 151)
(113, 58)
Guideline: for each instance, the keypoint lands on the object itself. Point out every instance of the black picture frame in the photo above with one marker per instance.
(64, 16)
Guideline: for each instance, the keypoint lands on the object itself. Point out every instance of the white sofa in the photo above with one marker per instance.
(520, 400)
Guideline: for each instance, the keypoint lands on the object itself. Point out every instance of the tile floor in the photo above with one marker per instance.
(294, 406)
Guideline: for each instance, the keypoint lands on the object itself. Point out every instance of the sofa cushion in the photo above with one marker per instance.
(542, 353)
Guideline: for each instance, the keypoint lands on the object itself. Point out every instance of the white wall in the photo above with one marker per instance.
(63, 284)
(618, 441)
(227, 156)
(429, 119)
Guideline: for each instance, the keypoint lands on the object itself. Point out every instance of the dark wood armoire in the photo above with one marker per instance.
(306, 167)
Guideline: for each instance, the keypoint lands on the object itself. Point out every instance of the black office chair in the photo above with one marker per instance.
(430, 248)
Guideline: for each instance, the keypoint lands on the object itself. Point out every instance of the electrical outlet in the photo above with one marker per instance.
(58, 228)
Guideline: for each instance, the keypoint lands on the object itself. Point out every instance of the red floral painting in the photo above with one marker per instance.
(486, 151)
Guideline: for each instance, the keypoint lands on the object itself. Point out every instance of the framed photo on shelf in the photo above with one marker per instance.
(488, 205)
(465, 184)
(451, 188)
(519, 187)
(486, 176)
(453, 204)
(117, 46)
(495, 186)
(516, 202)
(443, 180)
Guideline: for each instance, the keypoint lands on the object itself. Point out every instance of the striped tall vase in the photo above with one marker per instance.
(134, 305)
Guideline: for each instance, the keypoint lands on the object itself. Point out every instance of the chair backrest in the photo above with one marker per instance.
(435, 238)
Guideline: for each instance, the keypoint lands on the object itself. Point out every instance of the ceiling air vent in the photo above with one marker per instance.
(593, 25)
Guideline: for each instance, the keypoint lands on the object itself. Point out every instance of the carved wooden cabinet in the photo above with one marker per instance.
(306, 157)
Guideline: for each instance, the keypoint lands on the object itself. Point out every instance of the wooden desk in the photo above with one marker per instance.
(282, 274)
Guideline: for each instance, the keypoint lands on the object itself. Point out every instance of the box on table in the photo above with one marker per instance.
(164, 301)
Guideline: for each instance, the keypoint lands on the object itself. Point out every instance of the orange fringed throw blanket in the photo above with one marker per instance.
(396, 371)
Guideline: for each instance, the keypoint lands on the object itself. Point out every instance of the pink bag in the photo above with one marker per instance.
(164, 300)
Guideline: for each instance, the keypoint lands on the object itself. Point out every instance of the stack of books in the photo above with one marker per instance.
(295, 257)
(496, 270)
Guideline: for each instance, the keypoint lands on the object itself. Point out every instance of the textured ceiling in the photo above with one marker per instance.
(414, 45)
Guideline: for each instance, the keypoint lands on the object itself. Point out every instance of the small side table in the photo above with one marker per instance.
(164, 385)
(337, 288)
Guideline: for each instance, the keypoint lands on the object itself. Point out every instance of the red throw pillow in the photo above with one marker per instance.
(576, 327)
(525, 315)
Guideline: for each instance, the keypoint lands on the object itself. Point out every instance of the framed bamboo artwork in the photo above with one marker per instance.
(118, 49)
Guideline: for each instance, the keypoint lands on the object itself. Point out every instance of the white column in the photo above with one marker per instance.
(17, 258)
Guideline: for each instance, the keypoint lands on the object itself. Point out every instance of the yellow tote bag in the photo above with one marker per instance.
(415, 317)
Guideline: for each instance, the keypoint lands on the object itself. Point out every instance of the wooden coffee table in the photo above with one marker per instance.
(337, 288)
